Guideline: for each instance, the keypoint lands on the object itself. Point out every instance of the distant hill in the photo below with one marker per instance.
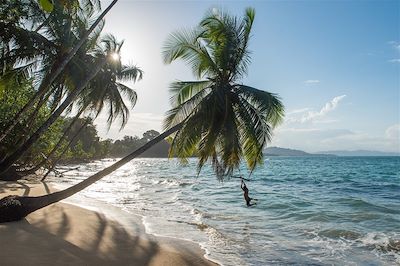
(276, 151)
(360, 153)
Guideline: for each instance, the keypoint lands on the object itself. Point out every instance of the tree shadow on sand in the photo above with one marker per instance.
(14, 186)
(60, 235)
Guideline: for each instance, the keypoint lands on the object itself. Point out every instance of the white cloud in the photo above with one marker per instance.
(312, 81)
(396, 60)
(393, 132)
(306, 115)
(328, 107)
(326, 121)
(298, 111)
(395, 45)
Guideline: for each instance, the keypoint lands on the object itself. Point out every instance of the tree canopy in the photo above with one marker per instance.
(222, 120)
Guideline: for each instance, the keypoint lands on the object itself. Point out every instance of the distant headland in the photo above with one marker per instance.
(277, 151)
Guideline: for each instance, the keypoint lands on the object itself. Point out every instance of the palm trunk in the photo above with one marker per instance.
(56, 147)
(54, 74)
(31, 120)
(14, 208)
(10, 160)
(65, 150)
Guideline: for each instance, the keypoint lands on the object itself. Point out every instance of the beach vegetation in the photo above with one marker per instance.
(57, 51)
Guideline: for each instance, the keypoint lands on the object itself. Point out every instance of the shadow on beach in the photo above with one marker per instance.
(64, 234)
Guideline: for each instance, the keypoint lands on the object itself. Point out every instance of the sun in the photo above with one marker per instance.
(115, 56)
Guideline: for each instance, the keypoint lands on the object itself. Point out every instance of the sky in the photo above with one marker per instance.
(334, 64)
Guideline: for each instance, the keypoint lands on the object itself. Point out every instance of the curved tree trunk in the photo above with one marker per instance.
(10, 160)
(31, 119)
(54, 74)
(56, 147)
(14, 208)
(65, 150)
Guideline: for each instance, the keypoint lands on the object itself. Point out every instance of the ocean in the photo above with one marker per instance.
(310, 210)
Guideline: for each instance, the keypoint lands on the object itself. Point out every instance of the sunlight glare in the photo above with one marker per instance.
(115, 56)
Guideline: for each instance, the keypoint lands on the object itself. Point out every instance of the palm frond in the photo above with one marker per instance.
(184, 110)
(184, 90)
(268, 103)
(129, 93)
(187, 45)
(130, 73)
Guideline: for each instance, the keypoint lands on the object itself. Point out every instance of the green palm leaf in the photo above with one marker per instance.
(223, 121)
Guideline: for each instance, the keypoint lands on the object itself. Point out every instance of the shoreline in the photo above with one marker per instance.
(86, 235)
(110, 211)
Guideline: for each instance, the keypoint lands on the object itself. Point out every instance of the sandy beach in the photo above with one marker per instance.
(65, 234)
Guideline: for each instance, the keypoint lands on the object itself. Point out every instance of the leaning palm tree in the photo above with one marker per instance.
(59, 66)
(221, 119)
(105, 92)
(104, 55)
(63, 30)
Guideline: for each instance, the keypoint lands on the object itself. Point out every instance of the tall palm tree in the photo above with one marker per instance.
(64, 28)
(223, 119)
(109, 49)
(59, 66)
(105, 92)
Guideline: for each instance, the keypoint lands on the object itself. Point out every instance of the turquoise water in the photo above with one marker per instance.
(310, 211)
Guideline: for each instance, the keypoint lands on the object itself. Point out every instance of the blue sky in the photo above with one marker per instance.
(335, 64)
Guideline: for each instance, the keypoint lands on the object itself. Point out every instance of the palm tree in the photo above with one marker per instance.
(106, 54)
(44, 50)
(104, 91)
(223, 119)
(59, 66)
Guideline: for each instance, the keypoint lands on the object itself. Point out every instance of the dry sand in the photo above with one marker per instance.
(65, 234)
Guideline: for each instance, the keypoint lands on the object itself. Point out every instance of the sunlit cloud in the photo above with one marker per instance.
(297, 111)
(312, 81)
(395, 45)
(328, 107)
(393, 132)
(306, 115)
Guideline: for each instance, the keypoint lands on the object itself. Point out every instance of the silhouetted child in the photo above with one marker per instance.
(246, 194)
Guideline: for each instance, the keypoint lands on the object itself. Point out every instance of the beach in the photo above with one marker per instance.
(310, 210)
(66, 234)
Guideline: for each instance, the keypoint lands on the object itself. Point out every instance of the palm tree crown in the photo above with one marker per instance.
(106, 89)
(224, 120)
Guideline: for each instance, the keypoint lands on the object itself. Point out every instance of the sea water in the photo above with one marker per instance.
(310, 210)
